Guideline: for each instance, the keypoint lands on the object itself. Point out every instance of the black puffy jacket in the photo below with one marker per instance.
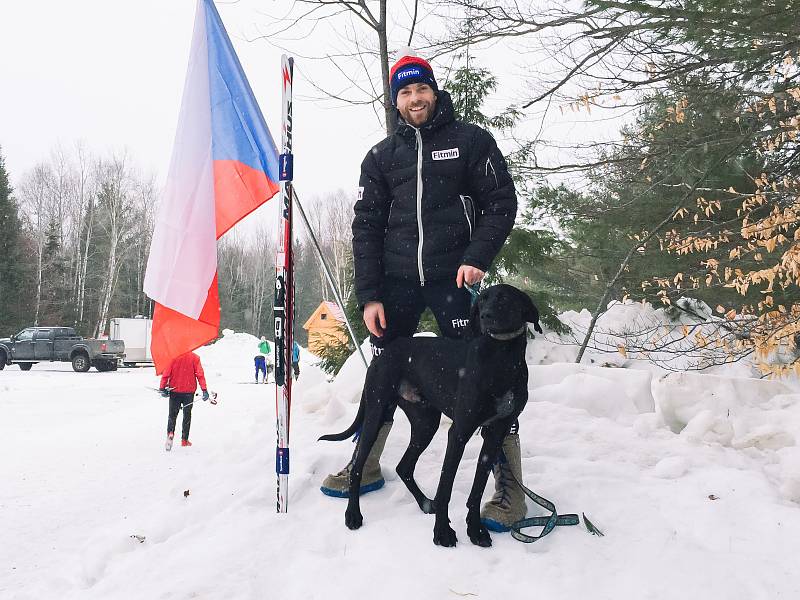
(424, 210)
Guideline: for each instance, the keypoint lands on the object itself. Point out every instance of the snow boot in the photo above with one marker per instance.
(170, 435)
(338, 485)
(186, 443)
(507, 506)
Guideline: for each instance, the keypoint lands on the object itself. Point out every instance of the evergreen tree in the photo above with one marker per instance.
(11, 268)
(55, 289)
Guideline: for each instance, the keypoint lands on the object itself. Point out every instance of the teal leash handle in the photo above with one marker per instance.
(474, 291)
(549, 522)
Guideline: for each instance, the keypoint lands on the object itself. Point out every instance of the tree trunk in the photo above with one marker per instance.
(388, 108)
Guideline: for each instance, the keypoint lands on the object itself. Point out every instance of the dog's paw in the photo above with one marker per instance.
(479, 536)
(427, 506)
(444, 536)
(353, 519)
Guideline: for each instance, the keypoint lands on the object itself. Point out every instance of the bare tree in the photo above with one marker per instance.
(36, 210)
(144, 211)
(261, 275)
(331, 222)
(115, 206)
(363, 29)
(83, 196)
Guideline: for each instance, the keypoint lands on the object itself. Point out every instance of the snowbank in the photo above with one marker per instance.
(693, 475)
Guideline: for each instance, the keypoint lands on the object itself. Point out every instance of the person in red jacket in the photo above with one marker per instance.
(179, 382)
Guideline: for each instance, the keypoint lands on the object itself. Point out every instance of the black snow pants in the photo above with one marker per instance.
(176, 401)
(405, 301)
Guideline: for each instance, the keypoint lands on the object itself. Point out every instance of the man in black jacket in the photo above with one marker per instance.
(435, 205)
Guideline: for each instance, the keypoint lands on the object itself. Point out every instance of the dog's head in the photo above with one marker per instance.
(503, 309)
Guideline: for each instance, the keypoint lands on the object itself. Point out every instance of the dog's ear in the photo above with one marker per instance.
(475, 318)
(531, 312)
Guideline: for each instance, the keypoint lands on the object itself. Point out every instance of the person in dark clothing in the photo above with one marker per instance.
(435, 205)
(179, 383)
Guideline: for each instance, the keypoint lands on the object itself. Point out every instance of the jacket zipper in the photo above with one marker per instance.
(466, 213)
(419, 206)
(489, 165)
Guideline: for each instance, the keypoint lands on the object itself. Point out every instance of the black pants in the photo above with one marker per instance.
(405, 301)
(403, 305)
(176, 401)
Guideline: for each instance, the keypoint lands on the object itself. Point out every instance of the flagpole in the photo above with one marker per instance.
(284, 296)
(328, 276)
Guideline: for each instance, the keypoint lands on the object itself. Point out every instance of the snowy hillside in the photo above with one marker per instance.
(694, 479)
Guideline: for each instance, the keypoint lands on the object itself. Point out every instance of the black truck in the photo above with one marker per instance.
(48, 344)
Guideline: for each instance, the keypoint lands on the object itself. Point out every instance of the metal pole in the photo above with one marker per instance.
(328, 275)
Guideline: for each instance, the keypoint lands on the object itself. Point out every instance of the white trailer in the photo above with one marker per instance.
(136, 333)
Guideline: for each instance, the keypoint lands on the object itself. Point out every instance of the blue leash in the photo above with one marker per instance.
(548, 522)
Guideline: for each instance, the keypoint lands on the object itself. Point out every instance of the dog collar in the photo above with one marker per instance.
(504, 337)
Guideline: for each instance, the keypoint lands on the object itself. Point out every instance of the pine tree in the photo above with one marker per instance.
(11, 271)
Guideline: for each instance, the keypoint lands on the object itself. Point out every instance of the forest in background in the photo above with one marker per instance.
(697, 194)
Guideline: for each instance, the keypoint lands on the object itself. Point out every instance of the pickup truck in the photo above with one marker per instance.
(40, 344)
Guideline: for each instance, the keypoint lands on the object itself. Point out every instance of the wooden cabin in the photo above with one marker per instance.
(324, 326)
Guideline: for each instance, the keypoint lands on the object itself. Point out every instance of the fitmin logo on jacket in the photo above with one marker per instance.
(445, 154)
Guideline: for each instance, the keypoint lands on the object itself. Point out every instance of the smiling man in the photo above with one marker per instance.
(435, 205)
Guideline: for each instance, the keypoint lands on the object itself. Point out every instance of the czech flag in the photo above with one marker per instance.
(224, 165)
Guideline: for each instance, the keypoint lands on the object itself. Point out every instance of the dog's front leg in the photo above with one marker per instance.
(492, 442)
(443, 534)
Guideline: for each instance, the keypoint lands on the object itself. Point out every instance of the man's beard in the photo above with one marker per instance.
(422, 115)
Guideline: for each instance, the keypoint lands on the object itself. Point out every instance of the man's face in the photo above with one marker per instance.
(416, 103)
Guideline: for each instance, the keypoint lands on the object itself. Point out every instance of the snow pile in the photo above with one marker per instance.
(640, 336)
(691, 474)
(231, 356)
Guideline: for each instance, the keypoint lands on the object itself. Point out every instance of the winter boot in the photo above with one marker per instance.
(186, 443)
(170, 435)
(338, 485)
(508, 503)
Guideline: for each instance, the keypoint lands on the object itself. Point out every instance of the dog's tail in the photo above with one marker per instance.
(355, 426)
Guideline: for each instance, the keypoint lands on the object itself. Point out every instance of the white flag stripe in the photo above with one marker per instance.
(183, 254)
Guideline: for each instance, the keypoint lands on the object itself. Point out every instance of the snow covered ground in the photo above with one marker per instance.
(694, 479)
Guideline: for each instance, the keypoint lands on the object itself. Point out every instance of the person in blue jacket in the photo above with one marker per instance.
(296, 361)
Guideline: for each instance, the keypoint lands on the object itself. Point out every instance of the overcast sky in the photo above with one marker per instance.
(111, 73)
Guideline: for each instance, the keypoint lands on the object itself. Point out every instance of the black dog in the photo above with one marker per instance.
(482, 382)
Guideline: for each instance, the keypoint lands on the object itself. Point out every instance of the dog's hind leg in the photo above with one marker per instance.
(424, 423)
(492, 442)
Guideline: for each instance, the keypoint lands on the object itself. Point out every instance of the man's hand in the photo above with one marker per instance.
(205, 395)
(164, 392)
(467, 275)
(374, 318)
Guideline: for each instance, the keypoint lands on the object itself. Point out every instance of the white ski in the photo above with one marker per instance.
(284, 295)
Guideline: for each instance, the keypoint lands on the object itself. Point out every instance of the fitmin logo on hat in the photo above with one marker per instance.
(408, 70)
(401, 75)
